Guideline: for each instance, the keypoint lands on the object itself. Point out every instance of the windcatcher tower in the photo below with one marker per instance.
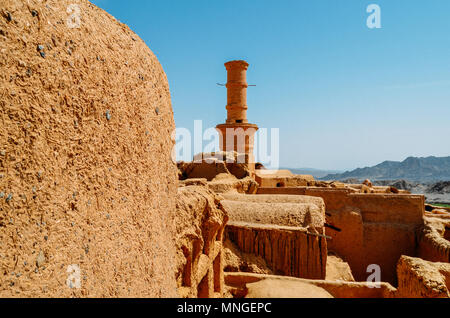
(237, 134)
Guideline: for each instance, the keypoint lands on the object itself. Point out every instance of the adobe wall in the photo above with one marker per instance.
(281, 179)
(200, 223)
(261, 198)
(389, 208)
(286, 231)
(421, 279)
(229, 184)
(85, 157)
(284, 214)
(288, 251)
(371, 228)
(210, 165)
(433, 246)
(335, 199)
(236, 260)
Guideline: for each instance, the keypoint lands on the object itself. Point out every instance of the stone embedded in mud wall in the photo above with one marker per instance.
(421, 279)
(200, 223)
(85, 156)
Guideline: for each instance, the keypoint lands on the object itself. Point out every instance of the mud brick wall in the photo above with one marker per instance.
(85, 156)
(372, 228)
(288, 251)
(200, 224)
(432, 246)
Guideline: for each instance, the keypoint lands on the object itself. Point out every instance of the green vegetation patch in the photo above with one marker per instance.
(442, 205)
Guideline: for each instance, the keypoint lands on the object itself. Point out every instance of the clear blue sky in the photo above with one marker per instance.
(343, 95)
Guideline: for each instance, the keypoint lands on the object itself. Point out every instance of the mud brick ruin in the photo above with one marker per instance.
(87, 181)
(315, 238)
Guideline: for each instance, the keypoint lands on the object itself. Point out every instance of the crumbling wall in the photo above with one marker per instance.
(227, 183)
(335, 199)
(210, 165)
(196, 170)
(421, 279)
(286, 231)
(367, 229)
(337, 269)
(200, 223)
(237, 261)
(281, 179)
(87, 184)
(432, 245)
(223, 171)
(286, 179)
(288, 251)
(261, 198)
(285, 214)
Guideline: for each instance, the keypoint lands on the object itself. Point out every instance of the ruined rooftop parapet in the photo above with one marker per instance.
(421, 279)
(284, 214)
(267, 198)
(200, 224)
(433, 246)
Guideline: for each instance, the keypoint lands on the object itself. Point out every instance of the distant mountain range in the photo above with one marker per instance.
(429, 169)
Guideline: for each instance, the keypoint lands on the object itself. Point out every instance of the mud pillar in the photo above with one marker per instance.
(237, 134)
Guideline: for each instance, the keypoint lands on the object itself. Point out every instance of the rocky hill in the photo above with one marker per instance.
(428, 169)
